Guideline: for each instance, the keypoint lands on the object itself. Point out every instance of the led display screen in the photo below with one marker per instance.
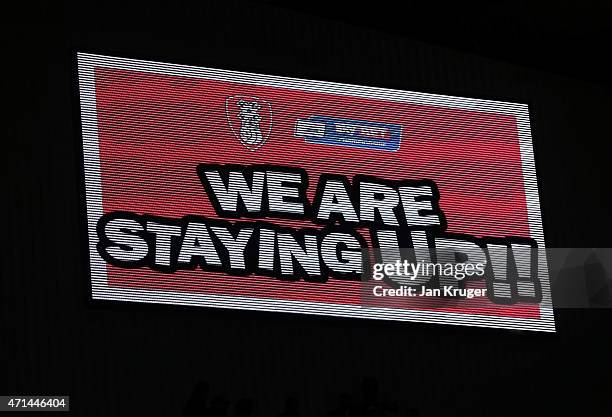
(227, 189)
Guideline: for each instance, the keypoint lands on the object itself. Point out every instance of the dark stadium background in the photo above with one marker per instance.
(133, 359)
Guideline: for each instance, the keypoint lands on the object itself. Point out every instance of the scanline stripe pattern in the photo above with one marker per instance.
(147, 125)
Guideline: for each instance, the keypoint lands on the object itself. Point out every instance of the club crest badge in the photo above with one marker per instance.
(250, 119)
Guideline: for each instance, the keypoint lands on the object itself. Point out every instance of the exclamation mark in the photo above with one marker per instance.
(528, 286)
(499, 286)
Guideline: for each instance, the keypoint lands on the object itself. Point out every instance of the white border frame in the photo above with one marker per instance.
(100, 289)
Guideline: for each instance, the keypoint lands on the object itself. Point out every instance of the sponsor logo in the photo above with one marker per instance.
(348, 132)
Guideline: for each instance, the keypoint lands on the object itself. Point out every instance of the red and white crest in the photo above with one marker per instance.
(250, 119)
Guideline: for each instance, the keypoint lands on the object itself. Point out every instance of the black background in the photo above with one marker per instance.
(131, 359)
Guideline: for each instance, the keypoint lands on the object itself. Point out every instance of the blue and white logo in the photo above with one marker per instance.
(348, 132)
